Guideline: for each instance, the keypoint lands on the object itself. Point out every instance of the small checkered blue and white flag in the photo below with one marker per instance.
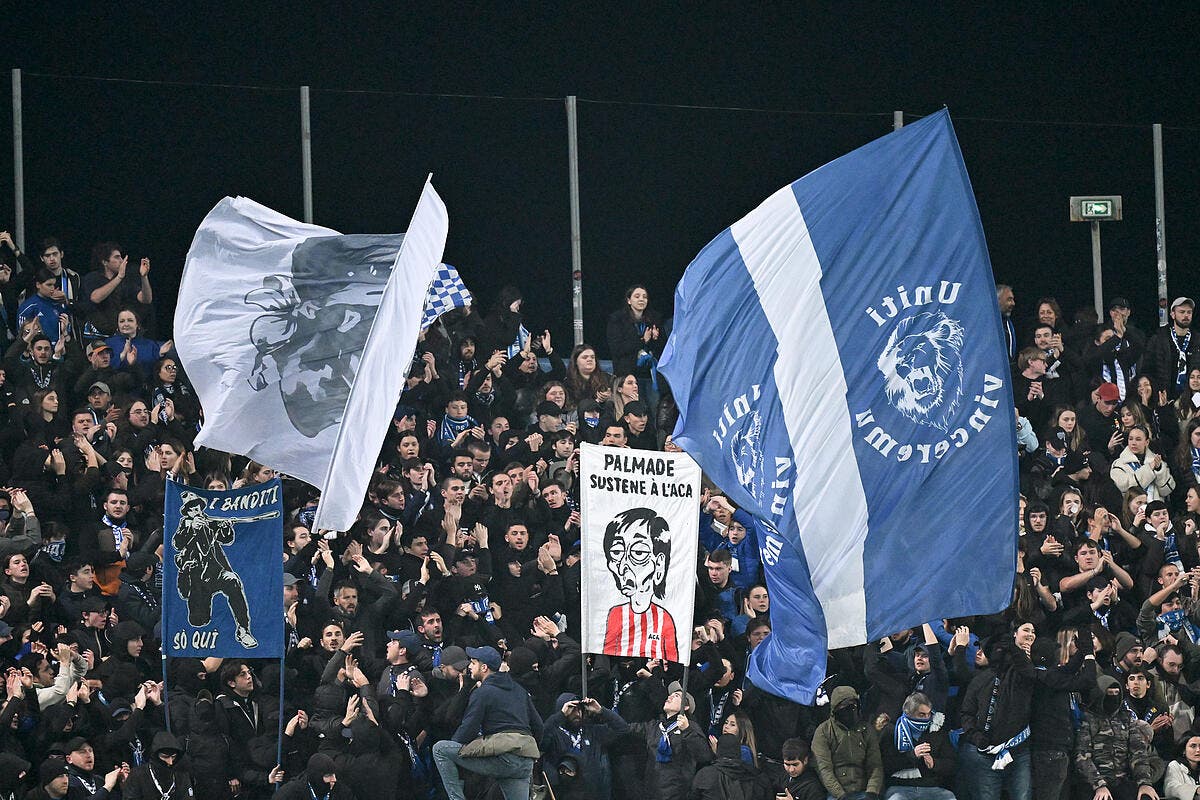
(446, 293)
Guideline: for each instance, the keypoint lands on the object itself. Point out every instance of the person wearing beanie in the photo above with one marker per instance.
(52, 780)
(13, 770)
(1127, 655)
(729, 778)
(319, 780)
(504, 714)
(575, 745)
(162, 775)
(675, 747)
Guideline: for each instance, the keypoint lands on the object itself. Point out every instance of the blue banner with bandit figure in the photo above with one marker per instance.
(222, 572)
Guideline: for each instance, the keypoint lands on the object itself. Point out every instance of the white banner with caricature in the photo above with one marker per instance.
(640, 534)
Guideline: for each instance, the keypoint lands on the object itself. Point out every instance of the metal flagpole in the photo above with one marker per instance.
(583, 693)
(1160, 225)
(166, 707)
(18, 164)
(306, 152)
(576, 260)
(897, 120)
(279, 736)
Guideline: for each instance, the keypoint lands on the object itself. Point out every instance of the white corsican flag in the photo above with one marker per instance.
(298, 339)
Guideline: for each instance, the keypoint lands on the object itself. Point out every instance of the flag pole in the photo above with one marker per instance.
(279, 736)
(165, 705)
(583, 694)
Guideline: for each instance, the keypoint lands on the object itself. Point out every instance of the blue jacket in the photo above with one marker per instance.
(745, 552)
(499, 704)
(46, 310)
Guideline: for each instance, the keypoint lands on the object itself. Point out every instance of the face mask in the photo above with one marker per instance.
(1111, 703)
(591, 422)
(5, 514)
(847, 715)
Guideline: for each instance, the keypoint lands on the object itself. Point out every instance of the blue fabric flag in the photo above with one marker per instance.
(838, 362)
(223, 572)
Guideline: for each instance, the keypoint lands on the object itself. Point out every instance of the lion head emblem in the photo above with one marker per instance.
(922, 368)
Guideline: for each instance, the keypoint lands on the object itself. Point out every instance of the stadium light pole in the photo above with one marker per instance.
(306, 153)
(576, 260)
(1160, 226)
(18, 163)
(1096, 209)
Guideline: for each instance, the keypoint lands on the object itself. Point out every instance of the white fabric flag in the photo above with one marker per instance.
(640, 533)
(277, 320)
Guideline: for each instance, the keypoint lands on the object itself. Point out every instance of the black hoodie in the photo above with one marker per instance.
(155, 777)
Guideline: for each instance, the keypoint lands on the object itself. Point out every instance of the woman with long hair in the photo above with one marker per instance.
(172, 395)
(624, 391)
(585, 380)
(1065, 417)
(254, 474)
(45, 414)
(738, 724)
(636, 340)
(1182, 780)
(1140, 466)
(1161, 416)
(1187, 456)
(1187, 405)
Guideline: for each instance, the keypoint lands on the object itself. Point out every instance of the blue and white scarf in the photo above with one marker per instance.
(519, 343)
(1196, 462)
(1173, 621)
(663, 753)
(908, 731)
(1181, 349)
(451, 427)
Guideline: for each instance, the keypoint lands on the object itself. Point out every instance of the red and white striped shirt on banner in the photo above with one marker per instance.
(650, 634)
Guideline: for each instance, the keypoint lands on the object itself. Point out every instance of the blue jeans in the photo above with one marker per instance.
(512, 772)
(978, 781)
(917, 793)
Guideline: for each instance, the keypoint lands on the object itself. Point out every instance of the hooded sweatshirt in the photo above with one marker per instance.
(155, 778)
(1112, 746)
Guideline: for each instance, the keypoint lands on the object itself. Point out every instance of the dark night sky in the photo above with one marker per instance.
(143, 163)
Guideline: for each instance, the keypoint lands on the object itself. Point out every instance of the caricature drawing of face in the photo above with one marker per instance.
(637, 548)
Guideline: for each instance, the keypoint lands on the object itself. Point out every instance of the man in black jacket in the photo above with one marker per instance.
(1173, 351)
(1058, 688)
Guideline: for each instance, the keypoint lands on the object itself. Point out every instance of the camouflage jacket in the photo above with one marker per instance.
(1109, 748)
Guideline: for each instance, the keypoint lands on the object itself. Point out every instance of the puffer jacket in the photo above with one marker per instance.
(848, 759)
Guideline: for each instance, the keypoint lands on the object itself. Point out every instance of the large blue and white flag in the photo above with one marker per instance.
(222, 572)
(839, 366)
(286, 329)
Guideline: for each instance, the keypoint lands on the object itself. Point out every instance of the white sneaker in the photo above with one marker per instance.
(245, 639)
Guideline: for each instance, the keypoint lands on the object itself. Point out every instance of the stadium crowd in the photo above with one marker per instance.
(433, 648)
